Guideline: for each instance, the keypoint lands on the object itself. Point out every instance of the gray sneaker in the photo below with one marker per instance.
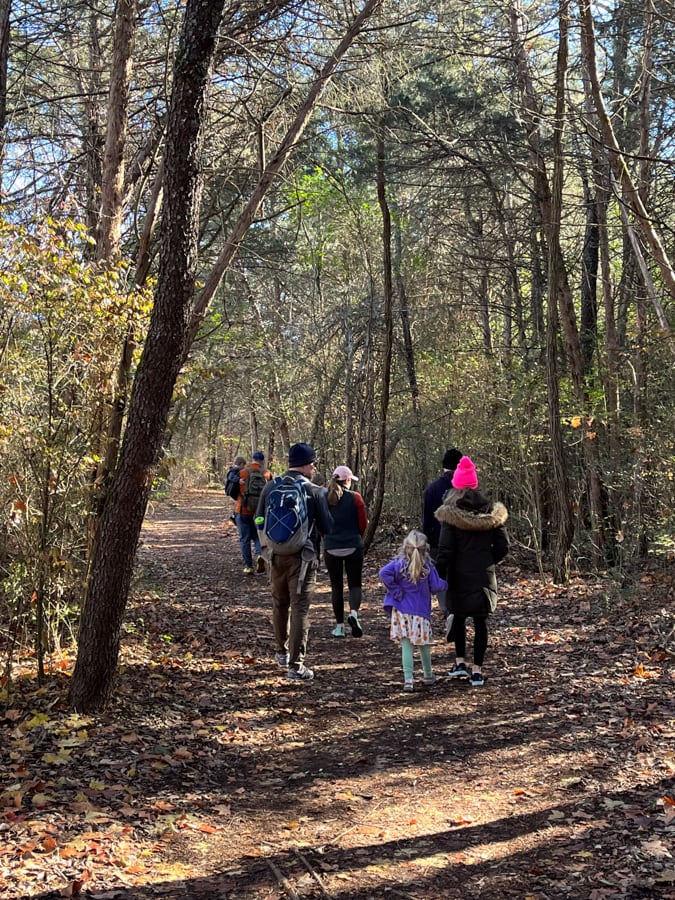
(302, 673)
(281, 659)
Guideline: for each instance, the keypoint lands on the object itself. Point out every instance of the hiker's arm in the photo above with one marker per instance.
(361, 513)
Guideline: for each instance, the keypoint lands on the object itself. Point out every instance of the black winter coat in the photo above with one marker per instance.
(473, 539)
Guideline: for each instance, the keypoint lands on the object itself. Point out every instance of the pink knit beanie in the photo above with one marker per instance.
(465, 474)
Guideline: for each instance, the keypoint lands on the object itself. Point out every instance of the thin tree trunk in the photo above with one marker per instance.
(112, 180)
(564, 512)
(409, 350)
(629, 190)
(388, 340)
(5, 10)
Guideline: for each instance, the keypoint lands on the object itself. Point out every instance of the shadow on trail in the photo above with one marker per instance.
(453, 864)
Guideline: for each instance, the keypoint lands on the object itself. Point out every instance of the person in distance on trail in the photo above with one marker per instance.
(433, 497)
(292, 561)
(231, 485)
(473, 540)
(252, 480)
(410, 579)
(343, 548)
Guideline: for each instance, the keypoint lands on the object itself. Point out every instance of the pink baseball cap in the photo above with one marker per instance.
(342, 473)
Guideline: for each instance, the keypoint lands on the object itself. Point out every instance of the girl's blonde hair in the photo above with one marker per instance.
(415, 550)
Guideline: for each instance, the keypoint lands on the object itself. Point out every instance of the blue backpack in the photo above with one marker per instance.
(286, 523)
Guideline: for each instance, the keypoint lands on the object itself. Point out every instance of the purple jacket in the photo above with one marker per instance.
(408, 596)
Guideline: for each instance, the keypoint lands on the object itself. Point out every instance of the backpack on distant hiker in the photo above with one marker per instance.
(286, 527)
(232, 482)
(253, 488)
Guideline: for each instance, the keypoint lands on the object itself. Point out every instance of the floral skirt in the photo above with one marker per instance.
(416, 628)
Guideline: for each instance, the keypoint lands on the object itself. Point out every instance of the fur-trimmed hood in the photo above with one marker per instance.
(475, 513)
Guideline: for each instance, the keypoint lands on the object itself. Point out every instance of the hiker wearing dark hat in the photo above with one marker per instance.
(473, 540)
(291, 565)
(252, 478)
(433, 497)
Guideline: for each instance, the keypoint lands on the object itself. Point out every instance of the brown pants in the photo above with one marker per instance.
(290, 611)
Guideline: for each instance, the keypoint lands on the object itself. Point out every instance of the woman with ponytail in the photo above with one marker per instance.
(410, 579)
(343, 548)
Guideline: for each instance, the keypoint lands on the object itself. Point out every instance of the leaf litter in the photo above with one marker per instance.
(211, 776)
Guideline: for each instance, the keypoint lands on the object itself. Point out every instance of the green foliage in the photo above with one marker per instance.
(63, 321)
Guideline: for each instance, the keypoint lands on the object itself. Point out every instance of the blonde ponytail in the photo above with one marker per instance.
(415, 550)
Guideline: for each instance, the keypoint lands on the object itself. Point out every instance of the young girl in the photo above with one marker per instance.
(410, 579)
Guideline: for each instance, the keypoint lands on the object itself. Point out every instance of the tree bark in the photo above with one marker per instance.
(5, 10)
(630, 191)
(411, 369)
(112, 181)
(564, 510)
(388, 335)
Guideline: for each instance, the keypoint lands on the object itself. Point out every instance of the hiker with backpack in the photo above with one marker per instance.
(232, 477)
(291, 511)
(252, 480)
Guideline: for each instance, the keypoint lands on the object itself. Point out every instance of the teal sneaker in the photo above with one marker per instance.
(354, 624)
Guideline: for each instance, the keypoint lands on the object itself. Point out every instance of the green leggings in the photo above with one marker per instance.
(407, 659)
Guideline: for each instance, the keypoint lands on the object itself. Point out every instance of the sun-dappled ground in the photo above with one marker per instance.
(213, 777)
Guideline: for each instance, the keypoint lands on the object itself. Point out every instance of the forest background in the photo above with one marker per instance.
(384, 231)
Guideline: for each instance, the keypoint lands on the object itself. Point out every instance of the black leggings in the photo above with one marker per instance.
(337, 566)
(480, 639)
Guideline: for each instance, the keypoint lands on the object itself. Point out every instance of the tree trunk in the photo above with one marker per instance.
(418, 436)
(5, 9)
(388, 335)
(556, 277)
(589, 280)
(631, 193)
(112, 181)
(99, 642)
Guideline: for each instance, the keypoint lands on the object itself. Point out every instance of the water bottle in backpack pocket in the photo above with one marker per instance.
(286, 522)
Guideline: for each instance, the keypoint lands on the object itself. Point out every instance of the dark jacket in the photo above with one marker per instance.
(350, 521)
(473, 540)
(433, 497)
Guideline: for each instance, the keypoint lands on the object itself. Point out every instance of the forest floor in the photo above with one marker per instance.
(212, 776)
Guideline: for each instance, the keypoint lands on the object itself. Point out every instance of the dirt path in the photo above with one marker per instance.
(214, 777)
